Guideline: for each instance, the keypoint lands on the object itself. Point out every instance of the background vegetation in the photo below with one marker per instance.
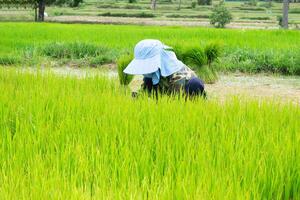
(93, 45)
(245, 14)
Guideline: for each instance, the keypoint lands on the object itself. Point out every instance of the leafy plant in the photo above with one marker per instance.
(220, 16)
(193, 4)
(122, 63)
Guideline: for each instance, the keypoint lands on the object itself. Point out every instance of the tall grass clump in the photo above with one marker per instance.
(122, 63)
(246, 60)
(9, 60)
(88, 53)
(72, 50)
(83, 138)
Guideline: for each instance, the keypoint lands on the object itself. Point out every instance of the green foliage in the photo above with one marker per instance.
(256, 18)
(220, 16)
(9, 60)
(17, 40)
(72, 50)
(70, 138)
(139, 15)
(245, 60)
(193, 4)
(122, 63)
(279, 19)
(187, 16)
(100, 60)
(251, 3)
(131, 1)
(212, 52)
(204, 2)
(268, 4)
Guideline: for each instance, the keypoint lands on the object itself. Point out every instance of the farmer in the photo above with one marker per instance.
(162, 71)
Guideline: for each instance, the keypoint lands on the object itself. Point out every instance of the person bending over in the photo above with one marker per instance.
(162, 71)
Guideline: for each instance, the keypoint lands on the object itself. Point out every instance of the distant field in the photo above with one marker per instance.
(246, 50)
(244, 15)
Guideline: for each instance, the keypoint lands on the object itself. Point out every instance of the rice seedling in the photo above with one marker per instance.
(18, 38)
(70, 138)
(122, 63)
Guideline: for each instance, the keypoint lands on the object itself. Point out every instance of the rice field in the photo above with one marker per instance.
(253, 51)
(86, 138)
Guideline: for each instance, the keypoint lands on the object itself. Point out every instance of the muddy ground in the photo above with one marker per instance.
(284, 88)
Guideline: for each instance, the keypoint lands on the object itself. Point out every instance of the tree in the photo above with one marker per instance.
(38, 5)
(220, 16)
(204, 2)
(285, 15)
(153, 4)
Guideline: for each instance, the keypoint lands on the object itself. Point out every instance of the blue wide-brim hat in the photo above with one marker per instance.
(152, 55)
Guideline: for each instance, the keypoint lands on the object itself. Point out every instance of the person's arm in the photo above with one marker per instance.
(136, 85)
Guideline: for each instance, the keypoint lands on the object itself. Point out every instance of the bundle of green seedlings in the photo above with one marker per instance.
(86, 138)
(199, 59)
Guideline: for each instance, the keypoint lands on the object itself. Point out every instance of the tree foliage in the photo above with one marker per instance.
(220, 16)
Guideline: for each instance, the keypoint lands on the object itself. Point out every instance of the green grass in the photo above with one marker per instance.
(46, 39)
(70, 138)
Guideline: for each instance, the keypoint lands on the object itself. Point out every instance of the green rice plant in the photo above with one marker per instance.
(212, 52)
(84, 138)
(72, 50)
(100, 60)
(122, 63)
(9, 60)
(18, 38)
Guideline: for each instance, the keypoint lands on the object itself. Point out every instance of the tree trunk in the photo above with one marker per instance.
(179, 6)
(41, 10)
(35, 13)
(153, 4)
(285, 16)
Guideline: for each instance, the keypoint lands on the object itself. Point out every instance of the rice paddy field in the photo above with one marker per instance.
(275, 51)
(86, 138)
(83, 136)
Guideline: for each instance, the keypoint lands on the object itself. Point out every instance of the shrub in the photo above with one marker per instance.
(131, 1)
(220, 16)
(122, 63)
(194, 4)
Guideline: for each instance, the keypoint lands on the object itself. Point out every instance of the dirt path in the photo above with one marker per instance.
(158, 22)
(285, 88)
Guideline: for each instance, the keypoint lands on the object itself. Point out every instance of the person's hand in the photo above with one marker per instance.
(134, 94)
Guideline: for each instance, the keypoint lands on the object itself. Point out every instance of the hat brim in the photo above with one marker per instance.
(143, 66)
